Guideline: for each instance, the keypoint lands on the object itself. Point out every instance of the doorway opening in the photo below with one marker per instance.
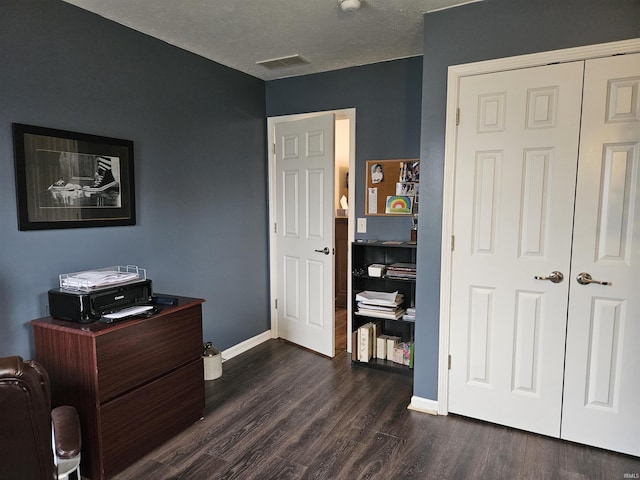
(343, 209)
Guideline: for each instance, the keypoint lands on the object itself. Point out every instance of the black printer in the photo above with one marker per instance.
(85, 307)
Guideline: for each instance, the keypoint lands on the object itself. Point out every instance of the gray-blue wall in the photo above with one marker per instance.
(387, 99)
(481, 31)
(199, 131)
(196, 125)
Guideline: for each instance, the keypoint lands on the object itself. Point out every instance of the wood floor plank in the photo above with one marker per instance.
(423, 451)
(282, 412)
(280, 469)
(374, 460)
(201, 466)
(332, 459)
(252, 456)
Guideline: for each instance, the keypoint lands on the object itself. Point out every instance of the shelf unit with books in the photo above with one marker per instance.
(392, 270)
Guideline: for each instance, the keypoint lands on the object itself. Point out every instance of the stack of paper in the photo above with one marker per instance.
(402, 270)
(380, 304)
(97, 279)
(410, 315)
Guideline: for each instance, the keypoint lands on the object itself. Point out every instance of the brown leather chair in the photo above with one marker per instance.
(29, 428)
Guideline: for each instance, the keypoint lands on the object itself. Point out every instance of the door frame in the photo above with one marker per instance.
(455, 72)
(348, 114)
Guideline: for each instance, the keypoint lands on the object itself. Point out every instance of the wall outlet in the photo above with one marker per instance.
(362, 225)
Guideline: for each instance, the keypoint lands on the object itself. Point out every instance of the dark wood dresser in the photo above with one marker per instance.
(135, 383)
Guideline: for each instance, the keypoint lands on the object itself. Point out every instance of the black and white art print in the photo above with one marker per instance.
(67, 179)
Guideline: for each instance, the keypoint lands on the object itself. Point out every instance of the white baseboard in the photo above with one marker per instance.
(246, 345)
(423, 405)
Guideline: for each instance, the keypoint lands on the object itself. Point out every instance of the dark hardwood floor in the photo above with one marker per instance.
(282, 412)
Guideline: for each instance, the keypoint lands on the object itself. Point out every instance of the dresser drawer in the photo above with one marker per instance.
(136, 423)
(132, 356)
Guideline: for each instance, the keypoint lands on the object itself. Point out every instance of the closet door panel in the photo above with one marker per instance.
(602, 390)
(515, 175)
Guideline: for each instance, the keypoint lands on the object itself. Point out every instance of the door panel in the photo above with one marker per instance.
(304, 219)
(516, 162)
(602, 391)
(290, 216)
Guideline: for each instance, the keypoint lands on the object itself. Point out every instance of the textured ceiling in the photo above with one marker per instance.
(239, 33)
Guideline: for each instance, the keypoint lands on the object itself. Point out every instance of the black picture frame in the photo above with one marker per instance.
(72, 180)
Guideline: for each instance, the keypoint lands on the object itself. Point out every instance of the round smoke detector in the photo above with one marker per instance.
(349, 5)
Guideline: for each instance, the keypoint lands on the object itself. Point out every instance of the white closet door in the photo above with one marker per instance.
(515, 174)
(602, 374)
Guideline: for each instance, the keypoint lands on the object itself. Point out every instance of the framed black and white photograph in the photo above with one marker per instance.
(72, 180)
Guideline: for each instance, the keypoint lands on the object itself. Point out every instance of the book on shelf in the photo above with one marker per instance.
(381, 347)
(392, 342)
(367, 336)
(377, 331)
(365, 349)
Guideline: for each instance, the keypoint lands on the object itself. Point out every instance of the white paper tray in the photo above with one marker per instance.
(90, 280)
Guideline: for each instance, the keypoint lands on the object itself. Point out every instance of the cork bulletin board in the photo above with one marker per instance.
(392, 187)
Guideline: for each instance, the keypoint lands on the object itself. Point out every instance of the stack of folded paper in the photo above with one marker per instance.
(380, 304)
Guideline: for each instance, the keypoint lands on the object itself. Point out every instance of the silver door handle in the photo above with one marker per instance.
(325, 250)
(555, 277)
(585, 279)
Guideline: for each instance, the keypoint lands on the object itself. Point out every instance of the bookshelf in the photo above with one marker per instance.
(387, 253)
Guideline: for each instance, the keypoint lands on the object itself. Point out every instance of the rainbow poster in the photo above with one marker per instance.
(399, 205)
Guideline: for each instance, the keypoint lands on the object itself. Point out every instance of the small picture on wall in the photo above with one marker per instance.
(377, 173)
(410, 172)
(399, 205)
(407, 189)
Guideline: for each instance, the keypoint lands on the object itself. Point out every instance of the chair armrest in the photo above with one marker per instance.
(10, 367)
(66, 431)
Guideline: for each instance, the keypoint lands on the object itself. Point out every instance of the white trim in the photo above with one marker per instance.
(447, 231)
(423, 405)
(453, 82)
(453, 6)
(346, 113)
(544, 58)
(245, 346)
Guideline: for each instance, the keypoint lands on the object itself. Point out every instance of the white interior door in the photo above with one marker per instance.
(517, 152)
(602, 384)
(305, 232)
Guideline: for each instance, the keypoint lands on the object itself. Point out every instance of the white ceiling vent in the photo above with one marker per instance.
(283, 62)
